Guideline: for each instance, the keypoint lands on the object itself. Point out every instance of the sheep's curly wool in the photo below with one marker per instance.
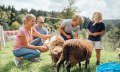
(118, 51)
(79, 50)
(56, 46)
(75, 51)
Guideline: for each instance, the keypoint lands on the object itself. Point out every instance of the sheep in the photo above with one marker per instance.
(118, 51)
(55, 45)
(75, 51)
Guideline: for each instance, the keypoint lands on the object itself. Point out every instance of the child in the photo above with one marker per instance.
(70, 25)
(95, 29)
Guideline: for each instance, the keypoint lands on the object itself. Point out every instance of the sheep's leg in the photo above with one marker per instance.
(63, 65)
(68, 66)
(59, 63)
(86, 63)
(54, 61)
(66, 55)
(80, 65)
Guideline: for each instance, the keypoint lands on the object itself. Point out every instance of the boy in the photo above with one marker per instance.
(70, 25)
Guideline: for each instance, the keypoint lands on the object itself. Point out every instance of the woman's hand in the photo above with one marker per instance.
(43, 48)
(47, 36)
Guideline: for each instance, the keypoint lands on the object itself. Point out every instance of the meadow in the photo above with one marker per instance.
(45, 64)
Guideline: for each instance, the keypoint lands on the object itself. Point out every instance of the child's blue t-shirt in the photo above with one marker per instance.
(95, 28)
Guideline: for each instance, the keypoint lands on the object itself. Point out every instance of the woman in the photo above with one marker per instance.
(25, 48)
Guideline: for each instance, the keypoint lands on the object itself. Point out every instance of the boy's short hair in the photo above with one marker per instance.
(40, 17)
(97, 15)
(76, 16)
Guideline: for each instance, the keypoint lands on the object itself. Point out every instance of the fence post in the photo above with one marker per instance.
(0, 47)
(2, 37)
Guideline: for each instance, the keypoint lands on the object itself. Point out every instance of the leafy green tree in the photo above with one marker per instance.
(69, 10)
(33, 11)
(3, 8)
(9, 8)
(20, 18)
(13, 10)
(23, 11)
(1, 13)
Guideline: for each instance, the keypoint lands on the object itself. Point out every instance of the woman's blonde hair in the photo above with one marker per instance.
(97, 15)
(28, 17)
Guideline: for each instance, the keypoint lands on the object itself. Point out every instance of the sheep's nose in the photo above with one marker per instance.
(60, 52)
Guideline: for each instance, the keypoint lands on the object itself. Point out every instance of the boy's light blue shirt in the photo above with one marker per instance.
(42, 30)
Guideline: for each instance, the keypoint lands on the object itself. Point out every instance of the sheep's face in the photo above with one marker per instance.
(54, 41)
(56, 51)
(49, 41)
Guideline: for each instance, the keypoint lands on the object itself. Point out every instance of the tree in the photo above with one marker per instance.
(20, 18)
(12, 18)
(1, 13)
(69, 10)
(33, 11)
(3, 7)
(23, 11)
(13, 10)
(39, 13)
(9, 8)
(45, 13)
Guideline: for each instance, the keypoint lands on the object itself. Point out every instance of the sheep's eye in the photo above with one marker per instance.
(55, 51)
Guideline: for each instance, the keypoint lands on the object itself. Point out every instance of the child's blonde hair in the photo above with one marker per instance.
(76, 16)
(28, 17)
(97, 16)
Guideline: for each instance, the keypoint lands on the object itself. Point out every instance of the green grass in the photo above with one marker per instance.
(45, 65)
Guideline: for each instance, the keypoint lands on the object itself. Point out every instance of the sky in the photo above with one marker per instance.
(109, 8)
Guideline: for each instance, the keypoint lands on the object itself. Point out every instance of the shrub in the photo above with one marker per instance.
(15, 25)
(111, 40)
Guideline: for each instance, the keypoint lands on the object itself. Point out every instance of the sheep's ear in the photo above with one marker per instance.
(117, 50)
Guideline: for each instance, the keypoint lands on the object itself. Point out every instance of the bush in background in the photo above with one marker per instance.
(15, 26)
(111, 39)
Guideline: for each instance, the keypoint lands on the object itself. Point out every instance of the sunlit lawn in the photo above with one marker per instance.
(45, 65)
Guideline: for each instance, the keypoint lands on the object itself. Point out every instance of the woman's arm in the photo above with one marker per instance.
(37, 34)
(25, 41)
(26, 44)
